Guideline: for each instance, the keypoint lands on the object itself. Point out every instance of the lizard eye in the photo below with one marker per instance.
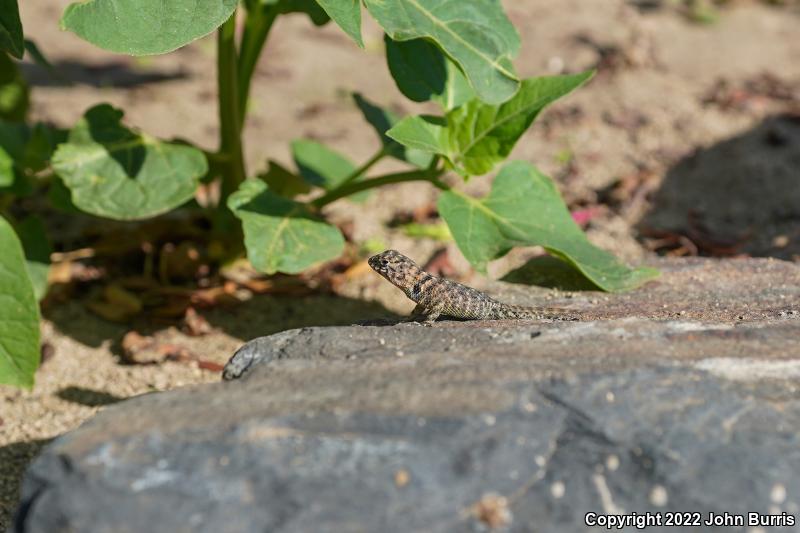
(384, 262)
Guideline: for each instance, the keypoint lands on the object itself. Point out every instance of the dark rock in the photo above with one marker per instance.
(465, 426)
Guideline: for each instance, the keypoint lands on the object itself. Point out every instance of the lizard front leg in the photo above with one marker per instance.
(419, 314)
(431, 314)
(424, 315)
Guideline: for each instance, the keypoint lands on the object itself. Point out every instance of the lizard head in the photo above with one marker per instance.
(395, 267)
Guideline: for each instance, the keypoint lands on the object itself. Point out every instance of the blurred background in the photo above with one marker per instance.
(686, 142)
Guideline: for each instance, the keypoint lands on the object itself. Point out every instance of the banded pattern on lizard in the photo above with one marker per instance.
(438, 296)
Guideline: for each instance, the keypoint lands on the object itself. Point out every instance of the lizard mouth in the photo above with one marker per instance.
(379, 264)
(387, 271)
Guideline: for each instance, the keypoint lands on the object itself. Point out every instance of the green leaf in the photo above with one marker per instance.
(323, 167)
(14, 94)
(19, 314)
(524, 208)
(282, 235)
(118, 173)
(382, 120)
(320, 165)
(34, 240)
(283, 182)
(477, 136)
(423, 132)
(347, 14)
(10, 29)
(142, 27)
(476, 34)
(422, 72)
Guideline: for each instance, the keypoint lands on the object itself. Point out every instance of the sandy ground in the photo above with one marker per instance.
(647, 113)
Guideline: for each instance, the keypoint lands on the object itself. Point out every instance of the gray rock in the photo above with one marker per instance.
(682, 396)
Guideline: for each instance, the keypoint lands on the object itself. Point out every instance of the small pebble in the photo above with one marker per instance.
(401, 478)
(778, 493)
(659, 496)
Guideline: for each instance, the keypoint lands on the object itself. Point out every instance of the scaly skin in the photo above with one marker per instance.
(437, 296)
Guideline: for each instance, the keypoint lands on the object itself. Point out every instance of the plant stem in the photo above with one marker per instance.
(229, 108)
(380, 154)
(353, 188)
(256, 29)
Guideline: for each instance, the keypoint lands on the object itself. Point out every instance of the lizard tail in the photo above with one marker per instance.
(504, 311)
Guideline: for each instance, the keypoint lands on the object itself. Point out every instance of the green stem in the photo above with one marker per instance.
(256, 30)
(353, 188)
(229, 108)
(216, 158)
(380, 154)
(434, 163)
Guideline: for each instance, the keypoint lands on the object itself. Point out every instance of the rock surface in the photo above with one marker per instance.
(681, 396)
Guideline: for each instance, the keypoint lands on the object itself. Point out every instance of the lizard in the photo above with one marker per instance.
(436, 296)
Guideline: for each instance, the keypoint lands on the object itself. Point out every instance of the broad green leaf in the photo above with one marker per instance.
(323, 167)
(476, 136)
(11, 39)
(382, 120)
(422, 72)
(484, 135)
(457, 89)
(347, 14)
(319, 165)
(19, 314)
(423, 132)
(118, 173)
(143, 27)
(476, 34)
(14, 97)
(281, 235)
(524, 208)
(283, 182)
(37, 249)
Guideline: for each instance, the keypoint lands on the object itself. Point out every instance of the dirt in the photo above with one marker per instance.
(687, 141)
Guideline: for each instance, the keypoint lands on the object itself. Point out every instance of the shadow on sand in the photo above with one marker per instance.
(742, 194)
(262, 315)
(110, 74)
(14, 458)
